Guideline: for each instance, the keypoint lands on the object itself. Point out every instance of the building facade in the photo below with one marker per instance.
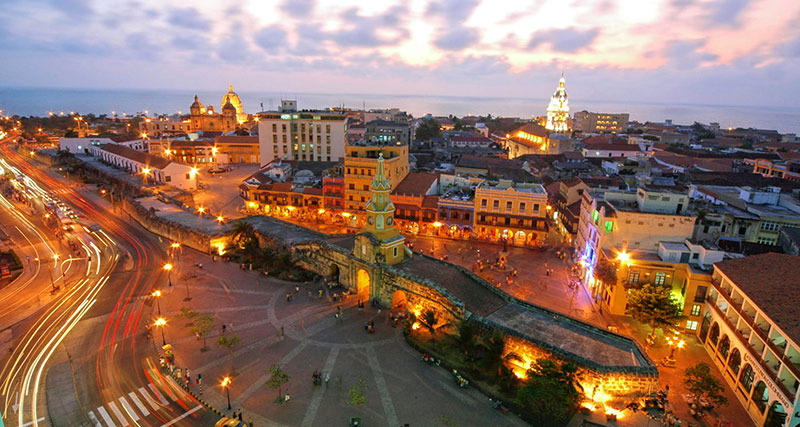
(305, 135)
(588, 122)
(152, 169)
(531, 138)
(750, 330)
(508, 212)
(360, 163)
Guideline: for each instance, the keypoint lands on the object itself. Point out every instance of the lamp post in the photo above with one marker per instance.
(168, 268)
(175, 246)
(157, 295)
(226, 383)
(145, 172)
(675, 342)
(161, 322)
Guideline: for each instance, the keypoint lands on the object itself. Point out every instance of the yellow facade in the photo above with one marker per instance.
(360, 163)
(513, 213)
(637, 268)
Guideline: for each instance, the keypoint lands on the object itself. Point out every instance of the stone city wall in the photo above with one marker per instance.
(599, 382)
(170, 230)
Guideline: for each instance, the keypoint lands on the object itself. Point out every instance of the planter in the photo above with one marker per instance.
(355, 421)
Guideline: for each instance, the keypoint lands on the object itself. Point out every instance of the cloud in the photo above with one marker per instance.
(726, 12)
(454, 11)
(189, 42)
(568, 40)
(140, 46)
(298, 8)
(189, 18)
(73, 8)
(359, 30)
(684, 54)
(457, 39)
(270, 39)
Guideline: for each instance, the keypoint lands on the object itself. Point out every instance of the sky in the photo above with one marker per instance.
(717, 52)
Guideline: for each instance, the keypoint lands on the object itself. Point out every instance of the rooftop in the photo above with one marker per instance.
(415, 184)
(772, 281)
(136, 156)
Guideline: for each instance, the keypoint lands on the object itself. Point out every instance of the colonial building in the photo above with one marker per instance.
(200, 118)
(750, 330)
(236, 149)
(360, 164)
(289, 134)
(386, 128)
(587, 122)
(514, 213)
(531, 138)
(558, 109)
(152, 169)
(416, 199)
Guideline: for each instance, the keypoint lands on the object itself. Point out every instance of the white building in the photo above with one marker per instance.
(289, 134)
(82, 145)
(152, 169)
(751, 330)
(558, 109)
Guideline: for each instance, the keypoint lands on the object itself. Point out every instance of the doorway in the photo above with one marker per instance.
(363, 284)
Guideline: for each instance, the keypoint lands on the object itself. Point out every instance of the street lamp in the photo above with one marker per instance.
(675, 342)
(157, 294)
(226, 383)
(168, 269)
(200, 210)
(220, 219)
(161, 322)
(145, 172)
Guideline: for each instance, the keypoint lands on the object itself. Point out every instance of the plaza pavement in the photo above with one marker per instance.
(400, 387)
(220, 192)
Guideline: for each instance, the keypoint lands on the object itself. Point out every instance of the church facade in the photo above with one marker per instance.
(201, 118)
(558, 109)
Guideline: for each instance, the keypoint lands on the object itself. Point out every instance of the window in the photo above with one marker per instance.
(366, 187)
(283, 139)
(742, 230)
(496, 204)
(509, 206)
(187, 176)
(394, 251)
(700, 296)
(508, 221)
(660, 278)
(522, 207)
(275, 149)
(274, 127)
(483, 203)
(466, 215)
(595, 216)
(770, 225)
(609, 225)
(536, 207)
(328, 129)
(167, 178)
(634, 278)
(352, 186)
(696, 310)
(274, 139)
(691, 325)
(285, 149)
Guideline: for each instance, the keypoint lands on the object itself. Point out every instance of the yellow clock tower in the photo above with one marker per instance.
(380, 241)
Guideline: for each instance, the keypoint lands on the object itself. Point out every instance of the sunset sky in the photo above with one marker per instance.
(741, 52)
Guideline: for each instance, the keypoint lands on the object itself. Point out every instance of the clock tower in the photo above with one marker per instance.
(380, 241)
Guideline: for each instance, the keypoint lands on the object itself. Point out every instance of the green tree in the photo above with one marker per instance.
(429, 319)
(277, 378)
(428, 129)
(700, 382)
(551, 392)
(242, 232)
(654, 305)
(606, 271)
(494, 353)
(357, 397)
(229, 342)
(202, 326)
(465, 338)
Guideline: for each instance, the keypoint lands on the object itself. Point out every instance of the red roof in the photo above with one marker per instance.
(312, 191)
(772, 281)
(416, 184)
(235, 139)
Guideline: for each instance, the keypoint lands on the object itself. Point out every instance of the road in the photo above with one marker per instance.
(87, 347)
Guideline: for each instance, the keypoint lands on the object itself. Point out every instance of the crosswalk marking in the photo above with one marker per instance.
(153, 404)
(128, 408)
(160, 397)
(107, 418)
(138, 404)
(118, 413)
(94, 420)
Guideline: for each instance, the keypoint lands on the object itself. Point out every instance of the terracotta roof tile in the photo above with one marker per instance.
(416, 184)
(136, 156)
(772, 281)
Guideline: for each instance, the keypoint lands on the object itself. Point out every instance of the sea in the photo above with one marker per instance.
(28, 101)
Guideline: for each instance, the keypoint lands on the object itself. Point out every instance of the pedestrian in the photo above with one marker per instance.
(250, 421)
(240, 414)
(296, 288)
(286, 399)
(320, 293)
(223, 328)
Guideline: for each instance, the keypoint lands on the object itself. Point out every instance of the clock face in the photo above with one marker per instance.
(370, 220)
(389, 221)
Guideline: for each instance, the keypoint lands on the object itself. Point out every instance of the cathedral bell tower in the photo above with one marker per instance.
(380, 241)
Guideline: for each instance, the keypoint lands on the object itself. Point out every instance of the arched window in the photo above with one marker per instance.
(747, 376)
(705, 327)
(734, 361)
(713, 336)
(724, 347)
(761, 396)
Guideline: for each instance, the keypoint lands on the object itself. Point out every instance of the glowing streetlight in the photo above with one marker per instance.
(226, 383)
(201, 210)
(175, 245)
(220, 219)
(168, 268)
(193, 172)
(624, 257)
(168, 152)
(145, 173)
(161, 322)
(157, 294)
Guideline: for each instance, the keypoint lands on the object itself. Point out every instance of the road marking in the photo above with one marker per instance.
(138, 404)
(316, 399)
(94, 420)
(118, 413)
(153, 404)
(30, 423)
(383, 390)
(107, 418)
(260, 382)
(128, 408)
(186, 414)
(160, 397)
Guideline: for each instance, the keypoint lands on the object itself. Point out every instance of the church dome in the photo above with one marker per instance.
(232, 98)
(196, 103)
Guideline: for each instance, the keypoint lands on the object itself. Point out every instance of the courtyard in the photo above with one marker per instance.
(400, 388)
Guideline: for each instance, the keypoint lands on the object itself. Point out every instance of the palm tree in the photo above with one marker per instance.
(429, 319)
(495, 356)
(467, 329)
(243, 232)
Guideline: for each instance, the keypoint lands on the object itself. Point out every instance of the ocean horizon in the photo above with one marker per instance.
(38, 101)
